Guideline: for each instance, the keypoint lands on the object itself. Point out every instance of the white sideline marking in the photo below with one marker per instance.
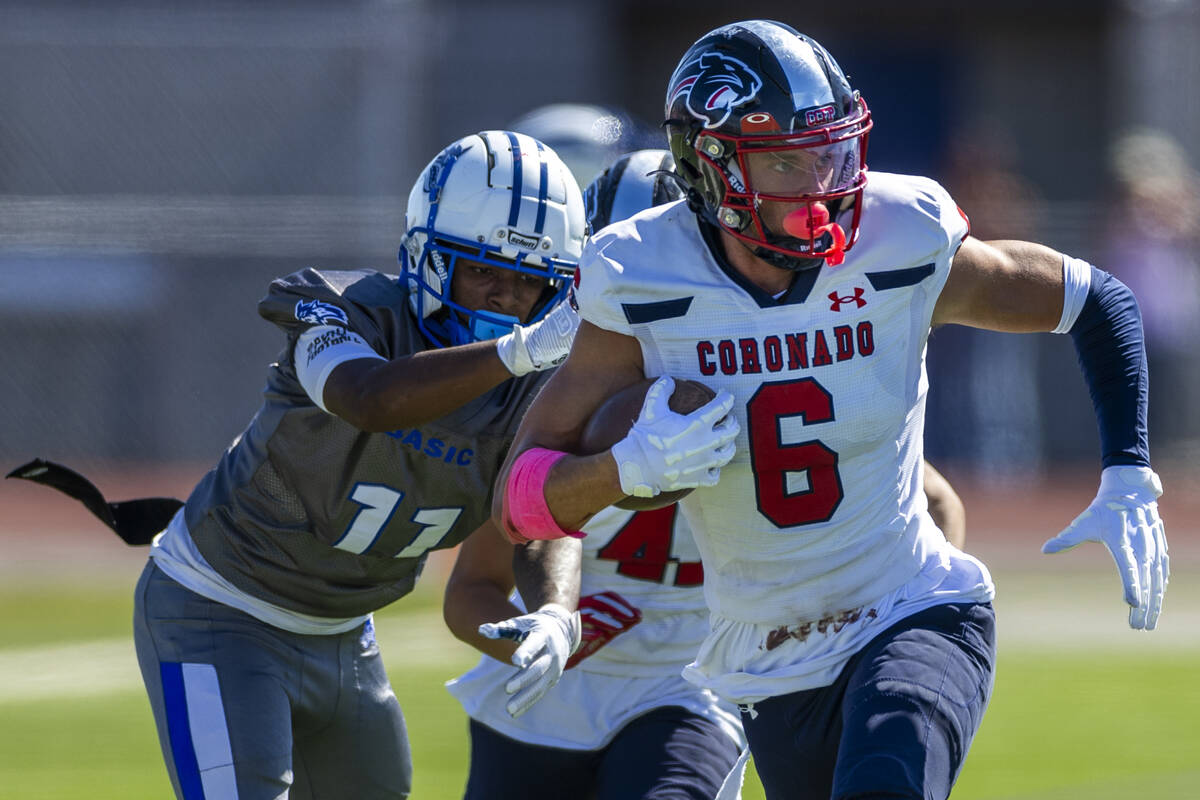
(109, 666)
(85, 669)
(1029, 617)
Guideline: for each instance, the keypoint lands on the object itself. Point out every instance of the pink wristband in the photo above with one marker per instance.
(526, 515)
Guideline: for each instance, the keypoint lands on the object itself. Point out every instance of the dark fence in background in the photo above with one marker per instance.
(159, 164)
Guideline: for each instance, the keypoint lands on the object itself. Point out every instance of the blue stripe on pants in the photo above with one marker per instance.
(183, 752)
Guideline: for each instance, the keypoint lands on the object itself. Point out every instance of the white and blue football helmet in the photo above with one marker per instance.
(498, 198)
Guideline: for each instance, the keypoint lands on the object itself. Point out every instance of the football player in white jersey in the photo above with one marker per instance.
(858, 643)
(622, 723)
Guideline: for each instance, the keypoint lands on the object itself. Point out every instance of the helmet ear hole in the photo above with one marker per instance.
(733, 218)
(712, 147)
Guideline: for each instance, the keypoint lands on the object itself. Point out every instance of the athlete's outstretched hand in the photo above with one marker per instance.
(1124, 516)
(604, 615)
(665, 451)
(540, 345)
(547, 638)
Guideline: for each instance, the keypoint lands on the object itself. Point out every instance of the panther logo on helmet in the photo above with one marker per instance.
(720, 84)
(434, 177)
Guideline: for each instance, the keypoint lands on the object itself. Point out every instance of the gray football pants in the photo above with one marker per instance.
(246, 711)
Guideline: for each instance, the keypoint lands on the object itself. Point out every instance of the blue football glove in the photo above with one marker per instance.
(548, 636)
(1124, 516)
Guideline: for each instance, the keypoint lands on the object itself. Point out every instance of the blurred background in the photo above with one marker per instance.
(161, 162)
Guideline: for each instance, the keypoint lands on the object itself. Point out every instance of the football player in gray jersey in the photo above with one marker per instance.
(385, 421)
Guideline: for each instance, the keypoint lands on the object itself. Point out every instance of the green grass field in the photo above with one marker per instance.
(1067, 720)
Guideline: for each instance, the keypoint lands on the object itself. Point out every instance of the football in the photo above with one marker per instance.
(611, 421)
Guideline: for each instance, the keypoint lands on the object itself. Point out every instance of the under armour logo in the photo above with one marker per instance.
(836, 299)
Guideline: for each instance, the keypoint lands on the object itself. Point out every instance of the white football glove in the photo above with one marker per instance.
(548, 637)
(1124, 516)
(665, 451)
(540, 345)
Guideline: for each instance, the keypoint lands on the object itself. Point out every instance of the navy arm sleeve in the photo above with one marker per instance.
(1112, 355)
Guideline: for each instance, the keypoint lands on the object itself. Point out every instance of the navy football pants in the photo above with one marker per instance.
(666, 754)
(898, 721)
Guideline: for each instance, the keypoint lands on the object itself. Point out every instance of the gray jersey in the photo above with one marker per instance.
(306, 511)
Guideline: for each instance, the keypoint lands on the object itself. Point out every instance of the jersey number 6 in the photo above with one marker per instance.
(776, 464)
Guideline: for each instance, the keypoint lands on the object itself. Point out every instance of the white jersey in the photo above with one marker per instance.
(818, 533)
(651, 560)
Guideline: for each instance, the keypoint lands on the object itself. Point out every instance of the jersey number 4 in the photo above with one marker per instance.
(778, 467)
(643, 548)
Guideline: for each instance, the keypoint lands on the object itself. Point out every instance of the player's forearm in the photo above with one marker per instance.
(951, 517)
(469, 605)
(548, 572)
(580, 486)
(552, 491)
(390, 395)
(946, 507)
(1110, 347)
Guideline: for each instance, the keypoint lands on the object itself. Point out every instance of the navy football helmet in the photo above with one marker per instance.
(497, 198)
(772, 140)
(635, 181)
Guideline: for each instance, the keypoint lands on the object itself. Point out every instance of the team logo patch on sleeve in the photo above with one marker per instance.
(319, 313)
(715, 85)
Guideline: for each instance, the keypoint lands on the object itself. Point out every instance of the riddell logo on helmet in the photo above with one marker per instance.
(521, 240)
(816, 116)
(715, 84)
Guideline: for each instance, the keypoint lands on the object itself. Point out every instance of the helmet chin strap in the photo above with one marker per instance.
(783, 260)
(454, 328)
(803, 227)
(500, 324)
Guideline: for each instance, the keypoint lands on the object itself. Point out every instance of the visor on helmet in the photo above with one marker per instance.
(791, 171)
(782, 192)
